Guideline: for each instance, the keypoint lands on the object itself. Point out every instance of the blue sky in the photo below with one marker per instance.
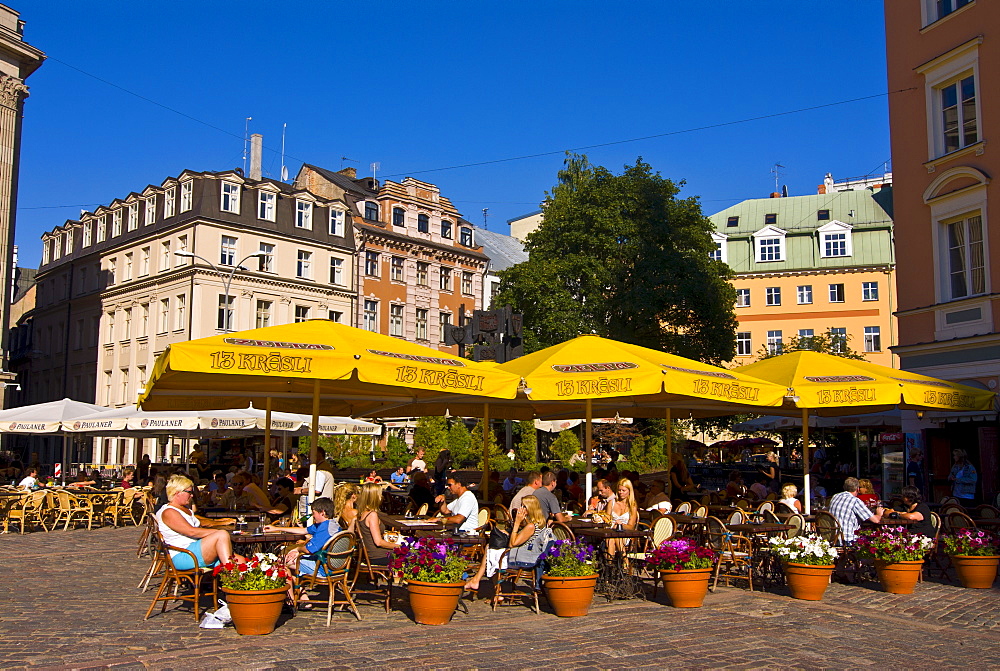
(417, 87)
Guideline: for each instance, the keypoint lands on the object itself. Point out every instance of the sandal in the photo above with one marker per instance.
(306, 605)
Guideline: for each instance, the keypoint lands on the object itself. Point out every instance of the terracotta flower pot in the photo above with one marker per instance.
(899, 577)
(686, 588)
(255, 612)
(806, 581)
(976, 572)
(570, 596)
(434, 602)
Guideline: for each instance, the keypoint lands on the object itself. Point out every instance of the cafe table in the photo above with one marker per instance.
(615, 577)
(224, 513)
(247, 543)
(992, 522)
(410, 525)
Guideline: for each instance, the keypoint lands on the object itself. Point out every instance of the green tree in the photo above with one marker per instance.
(459, 442)
(837, 344)
(565, 446)
(396, 451)
(526, 446)
(431, 434)
(348, 451)
(622, 256)
(476, 445)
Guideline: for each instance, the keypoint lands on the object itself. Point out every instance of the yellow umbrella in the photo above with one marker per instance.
(828, 385)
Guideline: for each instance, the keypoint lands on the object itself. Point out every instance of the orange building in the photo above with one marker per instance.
(941, 61)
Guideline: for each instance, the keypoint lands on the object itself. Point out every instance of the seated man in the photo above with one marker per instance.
(512, 483)
(657, 499)
(30, 480)
(532, 482)
(850, 511)
(284, 500)
(398, 477)
(317, 534)
(464, 510)
(547, 500)
(758, 487)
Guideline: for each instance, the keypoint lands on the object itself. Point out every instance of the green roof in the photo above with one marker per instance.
(867, 213)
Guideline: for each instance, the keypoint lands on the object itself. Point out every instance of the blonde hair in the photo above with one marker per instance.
(633, 508)
(370, 498)
(788, 490)
(865, 486)
(535, 514)
(340, 497)
(177, 484)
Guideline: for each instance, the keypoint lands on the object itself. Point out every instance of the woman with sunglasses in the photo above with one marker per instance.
(181, 529)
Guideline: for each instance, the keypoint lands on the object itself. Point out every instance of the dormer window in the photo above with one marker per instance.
(230, 198)
(465, 236)
(303, 214)
(336, 222)
(769, 244)
(371, 211)
(719, 253)
(835, 240)
(398, 216)
(266, 205)
(446, 229)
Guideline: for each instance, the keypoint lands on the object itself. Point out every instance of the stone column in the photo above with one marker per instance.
(12, 94)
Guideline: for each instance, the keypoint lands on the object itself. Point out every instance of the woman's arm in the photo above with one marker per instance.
(633, 519)
(176, 521)
(371, 520)
(523, 535)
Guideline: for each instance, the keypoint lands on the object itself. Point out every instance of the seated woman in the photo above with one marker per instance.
(370, 526)
(624, 514)
(735, 487)
(373, 476)
(345, 511)
(788, 494)
(282, 504)
(680, 478)
(181, 529)
(317, 534)
(526, 543)
(866, 492)
(914, 508)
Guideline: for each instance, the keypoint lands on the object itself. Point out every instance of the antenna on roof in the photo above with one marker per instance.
(776, 171)
(376, 166)
(284, 168)
(246, 142)
(486, 215)
(344, 158)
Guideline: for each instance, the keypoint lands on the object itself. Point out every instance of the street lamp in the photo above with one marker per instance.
(226, 282)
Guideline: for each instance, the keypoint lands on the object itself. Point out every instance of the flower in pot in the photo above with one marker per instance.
(570, 577)
(255, 591)
(433, 571)
(808, 563)
(684, 568)
(898, 555)
(975, 555)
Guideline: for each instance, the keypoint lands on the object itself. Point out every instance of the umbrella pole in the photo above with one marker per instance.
(267, 441)
(670, 449)
(65, 438)
(314, 442)
(807, 496)
(588, 442)
(484, 485)
(857, 452)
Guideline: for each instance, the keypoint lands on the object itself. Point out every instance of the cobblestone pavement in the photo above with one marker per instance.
(69, 601)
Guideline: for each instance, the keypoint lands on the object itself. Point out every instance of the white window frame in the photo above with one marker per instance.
(116, 223)
(102, 230)
(444, 321)
(763, 241)
(420, 323)
(182, 246)
(69, 240)
(743, 297)
(151, 210)
(806, 333)
(303, 264)
(337, 219)
(266, 262)
(804, 294)
(370, 317)
(869, 291)
(144, 255)
(165, 256)
(229, 197)
(180, 310)
(266, 205)
(123, 377)
(948, 272)
(397, 268)
(940, 73)
(873, 339)
(396, 316)
(467, 283)
(224, 315)
(838, 339)
(128, 267)
(303, 214)
(336, 271)
(187, 195)
(445, 282)
(228, 250)
(143, 319)
(88, 233)
(423, 274)
(169, 204)
(372, 262)
(133, 216)
(827, 239)
(447, 230)
(301, 314)
(721, 252)
(263, 317)
(772, 296)
(336, 316)
(837, 292)
(774, 342)
(163, 324)
(744, 343)
(466, 236)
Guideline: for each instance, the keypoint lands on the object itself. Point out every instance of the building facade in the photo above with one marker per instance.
(941, 65)
(811, 265)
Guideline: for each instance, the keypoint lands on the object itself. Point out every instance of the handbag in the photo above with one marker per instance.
(499, 539)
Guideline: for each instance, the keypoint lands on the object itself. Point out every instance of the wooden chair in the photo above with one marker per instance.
(700, 511)
(936, 554)
(769, 517)
(828, 528)
(12, 510)
(116, 508)
(152, 546)
(949, 500)
(30, 510)
(744, 504)
(422, 510)
(800, 525)
(987, 512)
(735, 553)
(511, 576)
(561, 532)
(766, 505)
(72, 506)
(373, 574)
(175, 578)
(683, 508)
(784, 509)
(501, 516)
(959, 520)
(663, 530)
(735, 517)
(335, 561)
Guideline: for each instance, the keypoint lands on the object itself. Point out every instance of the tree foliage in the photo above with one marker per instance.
(431, 434)
(346, 451)
(622, 256)
(460, 443)
(526, 447)
(396, 451)
(828, 343)
(494, 448)
(565, 446)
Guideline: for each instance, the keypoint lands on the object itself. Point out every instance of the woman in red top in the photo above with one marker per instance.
(866, 492)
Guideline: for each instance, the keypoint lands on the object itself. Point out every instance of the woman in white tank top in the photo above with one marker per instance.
(181, 529)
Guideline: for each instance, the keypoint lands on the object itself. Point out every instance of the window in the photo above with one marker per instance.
(423, 223)
(109, 337)
(230, 198)
(301, 313)
(716, 254)
(744, 346)
(742, 298)
(141, 370)
(371, 211)
(226, 304)
(371, 264)
(467, 283)
(182, 246)
(143, 261)
(822, 215)
(127, 272)
(720, 253)
(371, 316)
(772, 296)
(869, 291)
(164, 324)
(169, 203)
(265, 263)
(732, 222)
(336, 222)
(69, 241)
(101, 229)
(187, 195)
(144, 319)
(444, 319)
(112, 270)
(116, 223)
(465, 233)
(804, 294)
(46, 250)
(133, 216)
(303, 267)
(265, 205)
(88, 228)
(966, 260)
(180, 312)
(774, 342)
(396, 269)
(873, 339)
(107, 388)
(398, 216)
(446, 229)
(227, 253)
(422, 273)
(769, 249)
(838, 340)
(445, 279)
(770, 219)
(959, 123)
(150, 210)
(165, 256)
(836, 293)
(336, 316)
(303, 214)
(806, 336)
(336, 270)
(421, 324)
(124, 388)
(396, 320)
(835, 240)
(127, 323)
(82, 282)
(263, 314)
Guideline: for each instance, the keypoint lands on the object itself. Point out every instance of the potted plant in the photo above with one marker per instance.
(570, 578)
(808, 564)
(684, 568)
(975, 554)
(433, 571)
(255, 592)
(898, 555)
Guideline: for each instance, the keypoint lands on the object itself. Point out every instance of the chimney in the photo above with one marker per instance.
(775, 194)
(350, 172)
(256, 149)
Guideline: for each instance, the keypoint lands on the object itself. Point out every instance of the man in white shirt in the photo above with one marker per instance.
(464, 510)
(323, 487)
(30, 481)
(417, 463)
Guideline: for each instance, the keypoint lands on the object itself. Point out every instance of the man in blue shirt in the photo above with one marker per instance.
(398, 477)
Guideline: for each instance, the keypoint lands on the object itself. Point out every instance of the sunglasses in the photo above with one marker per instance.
(189, 491)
